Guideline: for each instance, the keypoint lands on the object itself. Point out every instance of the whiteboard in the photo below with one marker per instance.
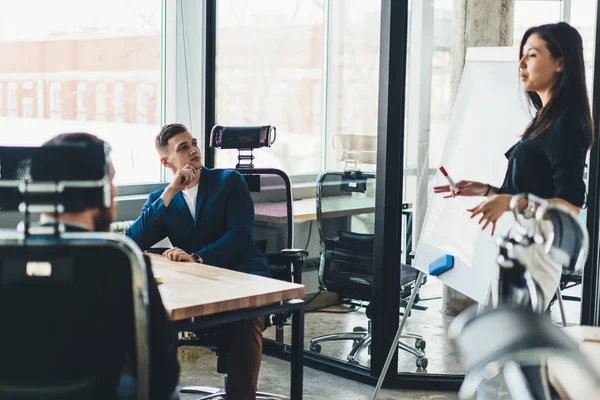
(490, 114)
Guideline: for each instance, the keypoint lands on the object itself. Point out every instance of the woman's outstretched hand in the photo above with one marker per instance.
(491, 209)
(465, 188)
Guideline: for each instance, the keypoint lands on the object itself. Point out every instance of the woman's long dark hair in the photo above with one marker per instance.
(569, 91)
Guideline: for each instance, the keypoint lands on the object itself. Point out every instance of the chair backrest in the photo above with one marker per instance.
(270, 189)
(71, 305)
(271, 192)
(345, 221)
(72, 302)
(568, 242)
(504, 337)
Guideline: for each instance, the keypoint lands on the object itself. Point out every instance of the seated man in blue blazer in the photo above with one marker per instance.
(208, 215)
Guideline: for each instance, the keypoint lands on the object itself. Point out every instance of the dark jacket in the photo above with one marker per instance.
(221, 232)
(551, 164)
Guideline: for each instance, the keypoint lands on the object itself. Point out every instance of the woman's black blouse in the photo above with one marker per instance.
(551, 164)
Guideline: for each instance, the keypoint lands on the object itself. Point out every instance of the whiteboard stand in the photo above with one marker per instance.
(491, 297)
(394, 345)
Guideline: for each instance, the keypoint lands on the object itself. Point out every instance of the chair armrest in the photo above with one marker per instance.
(298, 254)
(295, 258)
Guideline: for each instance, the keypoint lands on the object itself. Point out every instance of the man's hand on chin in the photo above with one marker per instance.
(176, 254)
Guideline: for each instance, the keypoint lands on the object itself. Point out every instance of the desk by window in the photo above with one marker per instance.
(306, 209)
(197, 296)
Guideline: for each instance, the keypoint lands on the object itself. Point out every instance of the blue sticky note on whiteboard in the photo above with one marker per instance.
(441, 265)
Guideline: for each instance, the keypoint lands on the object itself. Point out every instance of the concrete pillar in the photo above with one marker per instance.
(479, 23)
(476, 23)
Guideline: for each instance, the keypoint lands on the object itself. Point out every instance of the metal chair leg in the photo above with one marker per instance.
(215, 393)
(410, 349)
(270, 396)
(201, 390)
(561, 306)
(410, 335)
(358, 348)
(356, 336)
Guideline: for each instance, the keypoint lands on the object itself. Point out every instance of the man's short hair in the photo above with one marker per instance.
(85, 197)
(166, 133)
(83, 138)
(76, 137)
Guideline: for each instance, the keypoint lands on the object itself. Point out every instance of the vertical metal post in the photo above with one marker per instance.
(210, 79)
(591, 294)
(390, 168)
(297, 367)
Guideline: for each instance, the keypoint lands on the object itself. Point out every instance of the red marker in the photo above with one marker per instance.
(450, 181)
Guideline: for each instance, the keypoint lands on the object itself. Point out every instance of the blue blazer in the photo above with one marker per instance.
(221, 232)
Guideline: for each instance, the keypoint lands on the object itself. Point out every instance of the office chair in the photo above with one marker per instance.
(532, 337)
(271, 192)
(49, 283)
(345, 220)
(563, 238)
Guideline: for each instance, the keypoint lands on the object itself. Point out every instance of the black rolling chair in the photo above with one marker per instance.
(271, 192)
(50, 284)
(345, 218)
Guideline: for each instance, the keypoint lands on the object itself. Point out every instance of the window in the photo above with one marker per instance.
(583, 17)
(269, 60)
(141, 103)
(28, 107)
(352, 83)
(530, 13)
(156, 104)
(81, 101)
(101, 101)
(55, 100)
(119, 102)
(12, 103)
(72, 73)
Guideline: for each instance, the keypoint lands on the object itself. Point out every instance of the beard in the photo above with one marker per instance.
(104, 218)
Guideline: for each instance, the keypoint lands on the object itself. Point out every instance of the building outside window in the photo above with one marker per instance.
(79, 60)
(100, 101)
(55, 100)
(12, 102)
(141, 103)
(119, 102)
(82, 101)
(28, 107)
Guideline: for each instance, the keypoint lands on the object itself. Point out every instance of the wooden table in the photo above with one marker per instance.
(198, 296)
(570, 382)
(306, 209)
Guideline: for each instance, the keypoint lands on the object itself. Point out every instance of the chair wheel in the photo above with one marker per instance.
(422, 363)
(420, 344)
(353, 362)
(315, 347)
(359, 329)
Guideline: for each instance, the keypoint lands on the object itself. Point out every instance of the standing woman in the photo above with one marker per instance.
(549, 159)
